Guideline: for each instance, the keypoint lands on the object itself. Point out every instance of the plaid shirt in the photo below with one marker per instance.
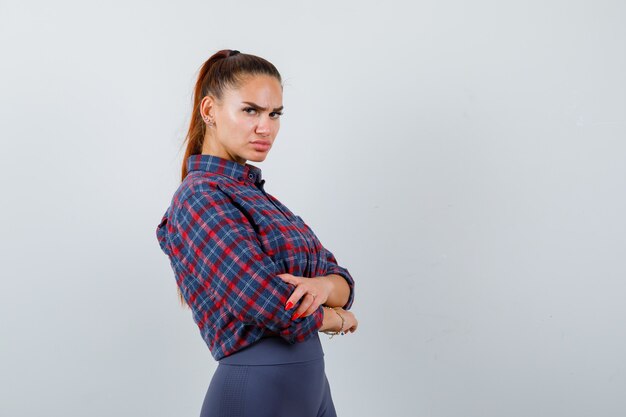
(227, 240)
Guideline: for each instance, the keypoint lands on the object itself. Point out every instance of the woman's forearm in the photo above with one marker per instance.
(339, 290)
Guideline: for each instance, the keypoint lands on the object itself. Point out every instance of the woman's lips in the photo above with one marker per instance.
(261, 145)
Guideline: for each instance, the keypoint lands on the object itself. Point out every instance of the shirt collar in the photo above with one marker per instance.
(218, 165)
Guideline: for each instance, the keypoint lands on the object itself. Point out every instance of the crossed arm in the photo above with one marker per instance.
(339, 290)
(336, 287)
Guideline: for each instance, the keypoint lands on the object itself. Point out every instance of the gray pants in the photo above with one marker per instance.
(271, 378)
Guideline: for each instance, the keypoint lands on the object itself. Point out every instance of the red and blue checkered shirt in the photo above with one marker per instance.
(227, 240)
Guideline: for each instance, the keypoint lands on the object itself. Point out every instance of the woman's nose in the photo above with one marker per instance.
(264, 126)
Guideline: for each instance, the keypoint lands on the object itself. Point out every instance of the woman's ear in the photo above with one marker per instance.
(207, 104)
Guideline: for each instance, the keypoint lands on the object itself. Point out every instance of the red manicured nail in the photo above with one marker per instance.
(295, 316)
(289, 305)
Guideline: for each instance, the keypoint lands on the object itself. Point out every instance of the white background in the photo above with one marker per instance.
(464, 160)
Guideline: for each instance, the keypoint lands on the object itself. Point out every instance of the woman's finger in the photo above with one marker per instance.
(304, 305)
(295, 296)
(289, 278)
(312, 308)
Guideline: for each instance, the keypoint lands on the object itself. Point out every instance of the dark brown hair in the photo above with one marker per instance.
(224, 69)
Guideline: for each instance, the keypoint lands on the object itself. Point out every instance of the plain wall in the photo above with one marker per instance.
(464, 160)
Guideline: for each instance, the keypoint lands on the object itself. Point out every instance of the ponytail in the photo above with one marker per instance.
(195, 134)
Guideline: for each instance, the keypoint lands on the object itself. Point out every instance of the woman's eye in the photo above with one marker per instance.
(273, 115)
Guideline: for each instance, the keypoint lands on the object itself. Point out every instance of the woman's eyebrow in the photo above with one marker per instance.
(262, 108)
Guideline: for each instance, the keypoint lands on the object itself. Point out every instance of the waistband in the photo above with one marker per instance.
(272, 350)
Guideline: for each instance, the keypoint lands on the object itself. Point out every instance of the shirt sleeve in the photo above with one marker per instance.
(332, 266)
(221, 250)
(335, 268)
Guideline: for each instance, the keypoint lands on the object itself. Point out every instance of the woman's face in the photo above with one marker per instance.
(246, 120)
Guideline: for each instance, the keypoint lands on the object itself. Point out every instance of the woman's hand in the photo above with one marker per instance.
(350, 322)
(313, 291)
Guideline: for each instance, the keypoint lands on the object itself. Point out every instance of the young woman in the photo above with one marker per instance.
(258, 281)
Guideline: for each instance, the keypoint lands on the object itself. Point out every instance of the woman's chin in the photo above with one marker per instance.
(257, 156)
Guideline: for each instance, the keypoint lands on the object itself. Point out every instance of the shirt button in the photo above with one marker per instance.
(250, 176)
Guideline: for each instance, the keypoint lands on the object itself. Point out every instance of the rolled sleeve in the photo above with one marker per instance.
(332, 266)
(335, 268)
(222, 251)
